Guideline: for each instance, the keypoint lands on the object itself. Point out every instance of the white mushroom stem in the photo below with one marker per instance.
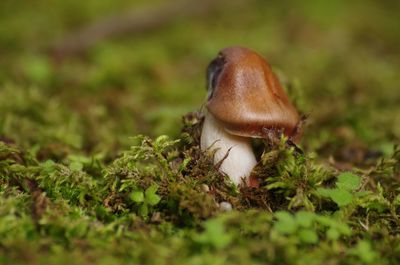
(240, 160)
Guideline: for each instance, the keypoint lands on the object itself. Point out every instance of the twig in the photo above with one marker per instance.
(133, 22)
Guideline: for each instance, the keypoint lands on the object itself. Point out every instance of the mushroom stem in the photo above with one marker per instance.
(240, 159)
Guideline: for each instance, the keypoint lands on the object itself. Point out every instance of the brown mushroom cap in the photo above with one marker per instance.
(247, 98)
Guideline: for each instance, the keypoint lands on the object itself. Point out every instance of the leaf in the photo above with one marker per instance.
(305, 219)
(332, 234)
(348, 181)
(364, 193)
(285, 223)
(343, 229)
(151, 197)
(144, 210)
(323, 192)
(137, 196)
(151, 190)
(214, 234)
(339, 196)
(325, 220)
(308, 236)
(365, 252)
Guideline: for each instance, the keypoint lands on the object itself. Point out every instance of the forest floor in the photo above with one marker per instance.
(99, 149)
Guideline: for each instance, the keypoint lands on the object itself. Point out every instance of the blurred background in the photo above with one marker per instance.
(84, 76)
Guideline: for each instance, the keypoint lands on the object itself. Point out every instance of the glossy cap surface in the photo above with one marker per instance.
(245, 96)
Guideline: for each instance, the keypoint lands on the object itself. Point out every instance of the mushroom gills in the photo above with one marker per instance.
(235, 152)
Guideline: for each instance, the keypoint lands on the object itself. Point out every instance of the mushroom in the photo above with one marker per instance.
(245, 100)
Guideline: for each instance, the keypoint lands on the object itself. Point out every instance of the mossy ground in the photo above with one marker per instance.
(81, 184)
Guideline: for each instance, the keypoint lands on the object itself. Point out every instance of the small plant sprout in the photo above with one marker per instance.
(145, 199)
(245, 100)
